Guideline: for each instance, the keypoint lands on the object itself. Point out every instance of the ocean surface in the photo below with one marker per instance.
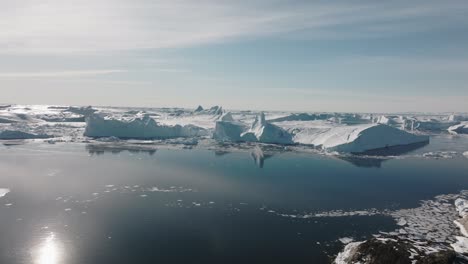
(82, 203)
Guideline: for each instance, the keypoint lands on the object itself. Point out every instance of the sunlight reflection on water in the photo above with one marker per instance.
(49, 252)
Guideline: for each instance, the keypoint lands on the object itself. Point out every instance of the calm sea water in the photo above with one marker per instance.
(75, 203)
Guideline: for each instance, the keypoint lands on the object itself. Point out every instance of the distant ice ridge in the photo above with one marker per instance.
(260, 131)
(461, 128)
(139, 127)
(15, 134)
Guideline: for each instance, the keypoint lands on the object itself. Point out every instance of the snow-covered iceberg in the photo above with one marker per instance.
(259, 131)
(357, 138)
(461, 128)
(139, 127)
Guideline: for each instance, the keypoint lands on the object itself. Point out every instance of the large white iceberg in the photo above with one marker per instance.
(461, 128)
(259, 131)
(357, 138)
(139, 127)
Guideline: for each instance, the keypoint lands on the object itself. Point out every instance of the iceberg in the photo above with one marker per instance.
(266, 132)
(139, 127)
(357, 138)
(259, 131)
(461, 128)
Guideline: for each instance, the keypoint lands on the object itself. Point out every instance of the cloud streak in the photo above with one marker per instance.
(55, 26)
(56, 74)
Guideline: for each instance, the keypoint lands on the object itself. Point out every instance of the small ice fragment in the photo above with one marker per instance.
(4, 191)
(8, 204)
(211, 202)
(95, 194)
(143, 195)
(401, 222)
(67, 209)
(109, 186)
(465, 154)
(346, 240)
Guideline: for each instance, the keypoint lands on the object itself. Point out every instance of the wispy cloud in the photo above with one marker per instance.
(54, 74)
(54, 26)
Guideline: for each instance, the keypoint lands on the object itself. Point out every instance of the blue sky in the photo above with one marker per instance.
(365, 56)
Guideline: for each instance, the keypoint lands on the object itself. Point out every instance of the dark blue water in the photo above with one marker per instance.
(76, 203)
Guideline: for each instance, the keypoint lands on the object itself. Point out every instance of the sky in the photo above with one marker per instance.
(333, 56)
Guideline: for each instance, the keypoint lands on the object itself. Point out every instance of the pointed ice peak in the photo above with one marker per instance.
(227, 117)
(259, 120)
(199, 109)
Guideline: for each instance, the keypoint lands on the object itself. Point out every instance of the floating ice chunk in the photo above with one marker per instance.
(440, 154)
(346, 240)
(401, 222)
(139, 128)
(4, 191)
(465, 154)
(461, 128)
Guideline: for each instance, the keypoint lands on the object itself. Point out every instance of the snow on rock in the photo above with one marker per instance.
(348, 253)
(15, 134)
(259, 131)
(462, 208)
(461, 246)
(461, 128)
(357, 138)
(138, 127)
